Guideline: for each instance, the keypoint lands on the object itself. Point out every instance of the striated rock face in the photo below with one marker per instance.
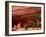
(18, 10)
(24, 15)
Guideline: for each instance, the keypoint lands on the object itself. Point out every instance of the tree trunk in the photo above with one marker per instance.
(37, 22)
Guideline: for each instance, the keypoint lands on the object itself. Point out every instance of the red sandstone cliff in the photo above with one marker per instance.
(22, 14)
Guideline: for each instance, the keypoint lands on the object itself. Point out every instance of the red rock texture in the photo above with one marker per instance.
(23, 14)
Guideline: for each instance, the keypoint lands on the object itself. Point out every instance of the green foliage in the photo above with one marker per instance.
(37, 16)
(33, 24)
